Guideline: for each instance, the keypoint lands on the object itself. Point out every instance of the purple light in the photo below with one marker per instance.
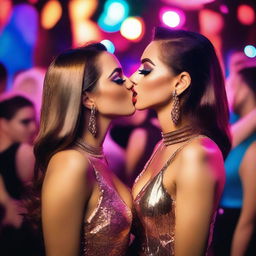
(224, 9)
(172, 17)
(221, 211)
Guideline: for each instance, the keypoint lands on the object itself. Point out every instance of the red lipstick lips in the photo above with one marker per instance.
(134, 94)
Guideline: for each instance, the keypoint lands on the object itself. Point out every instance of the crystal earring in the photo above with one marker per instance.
(175, 113)
(92, 122)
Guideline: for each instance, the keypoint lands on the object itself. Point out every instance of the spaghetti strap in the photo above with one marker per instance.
(167, 163)
(172, 157)
(148, 162)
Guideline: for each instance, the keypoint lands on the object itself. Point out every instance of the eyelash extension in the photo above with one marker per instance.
(144, 72)
(119, 81)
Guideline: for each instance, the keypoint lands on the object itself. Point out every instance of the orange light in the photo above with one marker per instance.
(133, 28)
(51, 14)
(83, 29)
(81, 10)
(5, 12)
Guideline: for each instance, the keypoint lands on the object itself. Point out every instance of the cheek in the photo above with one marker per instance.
(153, 91)
(17, 131)
(115, 100)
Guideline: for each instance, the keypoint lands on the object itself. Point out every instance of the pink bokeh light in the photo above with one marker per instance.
(173, 18)
(246, 14)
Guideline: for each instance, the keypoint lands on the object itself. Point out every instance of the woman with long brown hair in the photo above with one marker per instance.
(177, 194)
(85, 209)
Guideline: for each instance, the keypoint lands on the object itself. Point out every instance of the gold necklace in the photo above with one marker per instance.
(91, 150)
(178, 136)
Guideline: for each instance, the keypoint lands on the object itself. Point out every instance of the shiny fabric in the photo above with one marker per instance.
(154, 216)
(106, 231)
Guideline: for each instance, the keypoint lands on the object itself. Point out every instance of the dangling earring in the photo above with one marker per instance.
(175, 113)
(92, 122)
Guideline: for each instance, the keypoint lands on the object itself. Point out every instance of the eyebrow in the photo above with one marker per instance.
(118, 70)
(147, 60)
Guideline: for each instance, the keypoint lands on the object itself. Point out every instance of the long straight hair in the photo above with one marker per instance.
(62, 115)
(204, 102)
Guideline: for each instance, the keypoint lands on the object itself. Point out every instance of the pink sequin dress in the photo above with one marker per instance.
(107, 230)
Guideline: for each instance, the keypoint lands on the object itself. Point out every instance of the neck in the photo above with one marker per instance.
(165, 120)
(5, 141)
(102, 128)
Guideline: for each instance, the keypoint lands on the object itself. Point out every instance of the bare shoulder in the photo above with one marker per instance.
(202, 149)
(201, 159)
(70, 157)
(67, 164)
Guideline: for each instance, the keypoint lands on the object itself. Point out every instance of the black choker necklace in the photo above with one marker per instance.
(178, 136)
(91, 150)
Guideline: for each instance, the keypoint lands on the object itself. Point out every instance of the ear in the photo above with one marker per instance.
(184, 81)
(87, 100)
(4, 124)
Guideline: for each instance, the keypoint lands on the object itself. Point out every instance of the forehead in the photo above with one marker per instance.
(107, 62)
(152, 51)
(25, 112)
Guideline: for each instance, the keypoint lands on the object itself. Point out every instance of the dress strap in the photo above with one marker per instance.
(149, 161)
(172, 157)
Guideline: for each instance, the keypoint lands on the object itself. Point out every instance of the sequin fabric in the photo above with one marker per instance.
(154, 215)
(106, 231)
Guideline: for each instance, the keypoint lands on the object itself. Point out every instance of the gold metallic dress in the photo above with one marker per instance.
(154, 214)
(106, 231)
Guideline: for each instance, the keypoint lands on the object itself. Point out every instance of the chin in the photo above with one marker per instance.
(130, 112)
(140, 107)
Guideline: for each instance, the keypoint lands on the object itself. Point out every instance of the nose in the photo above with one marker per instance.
(33, 127)
(129, 84)
(133, 78)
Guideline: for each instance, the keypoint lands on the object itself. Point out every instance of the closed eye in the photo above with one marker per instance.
(144, 71)
(119, 81)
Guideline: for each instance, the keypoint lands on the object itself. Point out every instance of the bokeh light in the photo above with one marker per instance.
(83, 28)
(51, 14)
(172, 18)
(82, 10)
(189, 4)
(250, 51)
(246, 14)
(224, 9)
(133, 28)
(211, 23)
(32, 1)
(115, 12)
(109, 45)
(5, 12)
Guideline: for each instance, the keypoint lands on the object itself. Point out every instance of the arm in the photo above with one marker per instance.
(25, 162)
(196, 182)
(247, 219)
(64, 196)
(243, 128)
(11, 210)
(135, 150)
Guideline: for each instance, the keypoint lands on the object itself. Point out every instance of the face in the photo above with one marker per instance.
(153, 81)
(238, 92)
(22, 127)
(111, 96)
